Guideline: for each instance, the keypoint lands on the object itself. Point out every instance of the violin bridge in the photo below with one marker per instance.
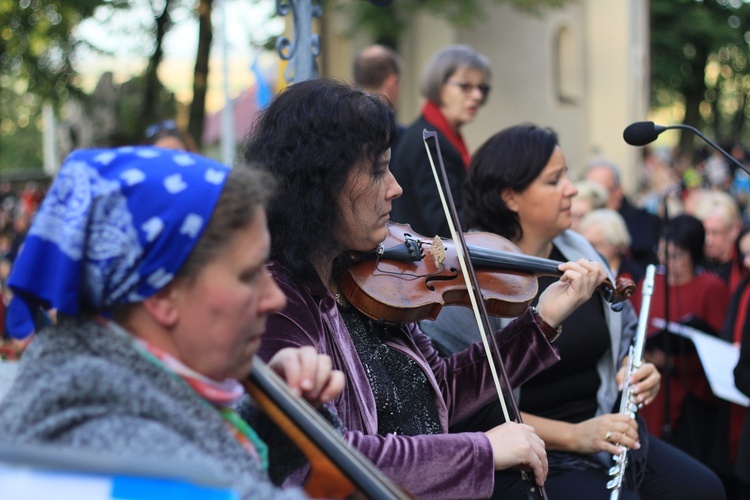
(438, 251)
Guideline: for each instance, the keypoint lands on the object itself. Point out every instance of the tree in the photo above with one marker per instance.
(37, 48)
(152, 87)
(200, 75)
(698, 60)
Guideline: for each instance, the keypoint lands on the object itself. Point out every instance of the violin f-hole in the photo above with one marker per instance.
(452, 274)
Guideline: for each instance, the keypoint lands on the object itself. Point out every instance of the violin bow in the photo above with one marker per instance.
(477, 301)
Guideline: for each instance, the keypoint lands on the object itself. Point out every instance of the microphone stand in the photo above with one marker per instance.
(666, 233)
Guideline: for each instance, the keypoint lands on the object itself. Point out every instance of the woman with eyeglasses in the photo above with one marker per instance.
(699, 299)
(455, 84)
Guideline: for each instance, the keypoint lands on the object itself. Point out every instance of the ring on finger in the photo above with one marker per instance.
(608, 436)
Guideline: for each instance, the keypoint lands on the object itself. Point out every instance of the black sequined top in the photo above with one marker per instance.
(405, 401)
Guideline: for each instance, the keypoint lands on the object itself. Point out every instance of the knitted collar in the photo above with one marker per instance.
(220, 395)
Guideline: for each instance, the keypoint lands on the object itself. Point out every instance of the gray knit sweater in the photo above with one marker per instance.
(80, 386)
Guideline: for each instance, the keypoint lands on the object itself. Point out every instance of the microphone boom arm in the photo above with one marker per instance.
(712, 144)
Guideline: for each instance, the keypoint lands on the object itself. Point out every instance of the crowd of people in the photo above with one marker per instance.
(19, 202)
(151, 280)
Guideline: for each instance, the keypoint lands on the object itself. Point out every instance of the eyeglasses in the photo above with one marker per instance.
(154, 129)
(468, 88)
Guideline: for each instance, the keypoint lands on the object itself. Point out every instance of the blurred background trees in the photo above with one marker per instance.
(699, 62)
(37, 47)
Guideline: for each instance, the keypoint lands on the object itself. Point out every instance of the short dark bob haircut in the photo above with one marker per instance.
(687, 233)
(310, 137)
(512, 158)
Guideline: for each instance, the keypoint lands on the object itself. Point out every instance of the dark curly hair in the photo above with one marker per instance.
(512, 158)
(310, 137)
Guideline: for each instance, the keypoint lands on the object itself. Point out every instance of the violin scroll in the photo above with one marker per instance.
(618, 293)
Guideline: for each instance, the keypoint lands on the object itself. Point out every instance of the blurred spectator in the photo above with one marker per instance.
(31, 197)
(741, 191)
(18, 205)
(740, 326)
(726, 440)
(696, 298)
(740, 187)
(722, 222)
(8, 199)
(605, 229)
(455, 84)
(717, 171)
(377, 70)
(166, 134)
(19, 227)
(644, 227)
(591, 196)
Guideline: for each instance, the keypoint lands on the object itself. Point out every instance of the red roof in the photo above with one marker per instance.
(245, 108)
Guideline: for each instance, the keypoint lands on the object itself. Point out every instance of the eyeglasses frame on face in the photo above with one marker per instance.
(467, 87)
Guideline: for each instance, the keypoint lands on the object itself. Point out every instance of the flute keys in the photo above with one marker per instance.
(614, 483)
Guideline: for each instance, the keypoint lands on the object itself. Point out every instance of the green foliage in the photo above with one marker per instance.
(36, 66)
(699, 58)
(37, 45)
(20, 124)
(387, 24)
(130, 114)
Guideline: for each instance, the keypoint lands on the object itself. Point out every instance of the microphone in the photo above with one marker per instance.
(642, 133)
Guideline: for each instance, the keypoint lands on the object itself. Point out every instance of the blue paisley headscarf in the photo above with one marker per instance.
(115, 227)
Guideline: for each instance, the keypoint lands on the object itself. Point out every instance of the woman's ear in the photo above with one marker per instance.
(162, 307)
(509, 198)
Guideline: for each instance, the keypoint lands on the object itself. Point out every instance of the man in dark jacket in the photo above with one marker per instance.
(644, 227)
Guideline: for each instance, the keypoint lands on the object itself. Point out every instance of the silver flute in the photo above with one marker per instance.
(628, 405)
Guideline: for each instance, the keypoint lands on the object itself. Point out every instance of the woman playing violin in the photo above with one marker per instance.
(518, 187)
(329, 147)
(155, 261)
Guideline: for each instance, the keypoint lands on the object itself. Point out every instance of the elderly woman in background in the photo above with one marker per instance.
(605, 229)
(455, 84)
(591, 196)
(518, 187)
(156, 263)
(722, 222)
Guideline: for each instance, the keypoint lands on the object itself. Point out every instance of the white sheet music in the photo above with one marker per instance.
(718, 358)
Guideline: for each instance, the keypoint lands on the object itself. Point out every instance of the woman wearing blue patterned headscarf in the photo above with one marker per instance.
(155, 263)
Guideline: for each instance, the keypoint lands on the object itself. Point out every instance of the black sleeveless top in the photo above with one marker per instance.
(567, 390)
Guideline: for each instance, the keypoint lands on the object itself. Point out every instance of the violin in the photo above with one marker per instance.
(337, 470)
(410, 277)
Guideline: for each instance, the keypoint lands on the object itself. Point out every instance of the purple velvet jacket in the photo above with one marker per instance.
(434, 466)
